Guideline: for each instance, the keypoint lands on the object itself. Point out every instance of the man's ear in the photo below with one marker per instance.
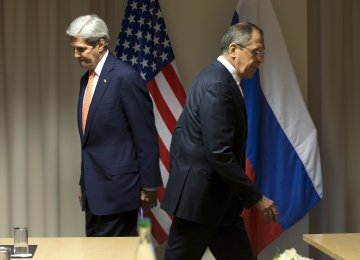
(232, 49)
(101, 44)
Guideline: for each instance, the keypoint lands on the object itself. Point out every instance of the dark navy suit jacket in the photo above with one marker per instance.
(207, 183)
(119, 148)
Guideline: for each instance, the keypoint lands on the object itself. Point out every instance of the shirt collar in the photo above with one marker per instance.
(230, 68)
(101, 63)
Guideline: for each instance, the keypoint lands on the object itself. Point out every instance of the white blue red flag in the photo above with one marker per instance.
(282, 150)
(144, 44)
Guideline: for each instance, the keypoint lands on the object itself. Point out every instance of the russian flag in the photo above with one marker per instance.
(282, 150)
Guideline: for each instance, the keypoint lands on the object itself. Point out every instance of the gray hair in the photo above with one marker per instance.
(239, 34)
(90, 28)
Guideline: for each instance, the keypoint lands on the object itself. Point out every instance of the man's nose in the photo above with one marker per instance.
(76, 54)
(260, 58)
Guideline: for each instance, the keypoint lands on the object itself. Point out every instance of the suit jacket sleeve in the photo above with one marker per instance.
(139, 112)
(220, 117)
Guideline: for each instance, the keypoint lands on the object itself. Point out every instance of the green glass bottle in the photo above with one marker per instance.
(145, 248)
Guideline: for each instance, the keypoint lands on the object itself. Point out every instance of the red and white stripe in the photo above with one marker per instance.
(168, 97)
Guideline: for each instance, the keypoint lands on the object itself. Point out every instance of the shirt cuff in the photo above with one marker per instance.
(150, 189)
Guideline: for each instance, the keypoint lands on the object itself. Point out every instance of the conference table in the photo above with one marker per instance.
(340, 246)
(81, 248)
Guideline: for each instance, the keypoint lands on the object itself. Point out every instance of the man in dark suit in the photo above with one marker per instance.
(120, 158)
(207, 187)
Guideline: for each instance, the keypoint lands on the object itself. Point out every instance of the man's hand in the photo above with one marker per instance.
(268, 208)
(81, 200)
(148, 198)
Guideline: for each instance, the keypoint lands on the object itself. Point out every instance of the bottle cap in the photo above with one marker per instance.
(145, 223)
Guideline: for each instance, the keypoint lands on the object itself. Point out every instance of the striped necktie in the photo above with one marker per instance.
(87, 98)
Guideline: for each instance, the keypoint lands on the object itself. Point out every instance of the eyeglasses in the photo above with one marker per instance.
(255, 53)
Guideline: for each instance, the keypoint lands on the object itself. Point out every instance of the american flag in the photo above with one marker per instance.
(144, 44)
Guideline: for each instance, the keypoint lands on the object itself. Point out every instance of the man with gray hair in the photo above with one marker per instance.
(207, 188)
(120, 157)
